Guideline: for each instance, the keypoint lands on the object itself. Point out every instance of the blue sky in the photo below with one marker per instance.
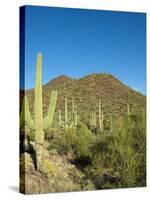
(77, 42)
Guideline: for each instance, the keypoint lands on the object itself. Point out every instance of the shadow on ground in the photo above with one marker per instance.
(14, 188)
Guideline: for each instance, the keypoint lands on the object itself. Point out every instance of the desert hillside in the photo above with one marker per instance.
(87, 91)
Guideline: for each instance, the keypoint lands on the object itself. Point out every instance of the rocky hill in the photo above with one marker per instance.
(87, 91)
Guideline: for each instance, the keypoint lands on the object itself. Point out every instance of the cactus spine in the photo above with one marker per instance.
(39, 125)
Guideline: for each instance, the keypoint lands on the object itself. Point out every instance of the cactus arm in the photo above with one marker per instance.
(27, 114)
(22, 115)
(49, 118)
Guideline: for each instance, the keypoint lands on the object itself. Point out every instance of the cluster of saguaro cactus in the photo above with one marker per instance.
(93, 117)
(38, 124)
(68, 122)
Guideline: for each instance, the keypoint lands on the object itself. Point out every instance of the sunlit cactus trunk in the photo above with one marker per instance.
(38, 112)
(39, 125)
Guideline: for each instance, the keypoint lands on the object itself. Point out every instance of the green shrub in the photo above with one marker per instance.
(84, 141)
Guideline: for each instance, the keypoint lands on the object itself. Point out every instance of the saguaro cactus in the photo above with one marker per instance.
(128, 109)
(60, 118)
(74, 113)
(93, 119)
(76, 118)
(72, 120)
(38, 124)
(66, 113)
(100, 115)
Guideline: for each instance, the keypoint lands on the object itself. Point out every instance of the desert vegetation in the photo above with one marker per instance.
(84, 134)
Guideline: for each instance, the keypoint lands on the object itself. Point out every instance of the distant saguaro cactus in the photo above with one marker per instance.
(128, 109)
(60, 118)
(100, 115)
(66, 113)
(74, 113)
(39, 124)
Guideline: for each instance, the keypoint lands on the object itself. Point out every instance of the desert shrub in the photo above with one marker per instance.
(50, 134)
(119, 157)
(88, 185)
(49, 169)
(109, 159)
(64, 141)
(76, 141)
(128, 150)
(84, 141)
(100, 150)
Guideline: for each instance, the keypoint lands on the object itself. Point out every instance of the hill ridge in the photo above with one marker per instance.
(86, 92)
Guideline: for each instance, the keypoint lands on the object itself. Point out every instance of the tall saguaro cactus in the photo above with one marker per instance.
(39, 124)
